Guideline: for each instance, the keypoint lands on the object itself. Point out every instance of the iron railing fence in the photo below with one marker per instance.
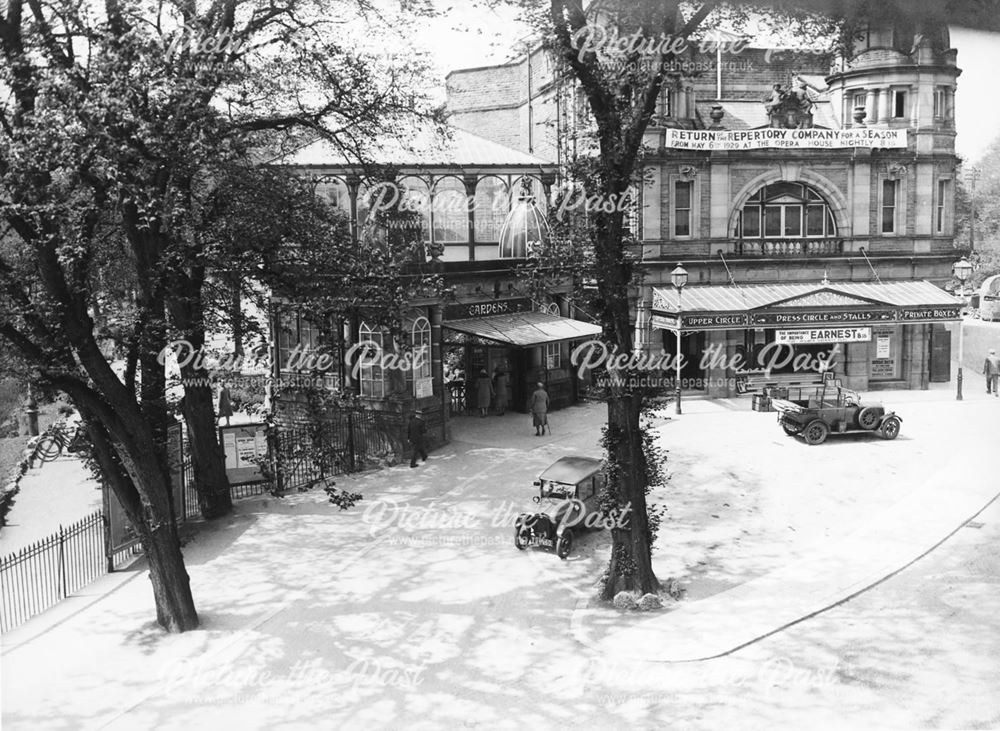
(348, 440)
(47, 571)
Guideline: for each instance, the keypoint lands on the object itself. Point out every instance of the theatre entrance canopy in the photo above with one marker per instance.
(524, 329)
(801, 305)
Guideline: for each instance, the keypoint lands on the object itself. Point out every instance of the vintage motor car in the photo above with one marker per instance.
(831, 408)
(568, 502)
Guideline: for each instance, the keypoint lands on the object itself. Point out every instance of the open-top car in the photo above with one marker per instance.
(831, 408)
(568, 501)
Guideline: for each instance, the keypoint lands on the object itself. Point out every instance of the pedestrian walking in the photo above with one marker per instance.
(991, 369)
(225, 403)
(539, 406)
(500, 386)
(416, 432)
(484, 392)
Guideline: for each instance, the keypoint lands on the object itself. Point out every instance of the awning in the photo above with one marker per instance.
(524, 329)
(788, 305)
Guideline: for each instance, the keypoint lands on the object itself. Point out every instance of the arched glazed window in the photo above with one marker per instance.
(333, 190)
(421, 339)
(786, 210)
(415, 195)
(492, 205)
(450, 211)
(372, 374)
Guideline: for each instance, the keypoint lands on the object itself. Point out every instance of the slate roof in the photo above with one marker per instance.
(426, 147)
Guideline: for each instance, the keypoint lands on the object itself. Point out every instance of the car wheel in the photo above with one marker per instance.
(791, 430)
(815, 432)
(868, 418)
(521, 537)
(890, 428)
(565, 544)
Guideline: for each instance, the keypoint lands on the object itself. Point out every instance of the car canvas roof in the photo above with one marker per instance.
(570, 470)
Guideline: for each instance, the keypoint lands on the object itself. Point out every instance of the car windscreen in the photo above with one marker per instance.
(557, 490)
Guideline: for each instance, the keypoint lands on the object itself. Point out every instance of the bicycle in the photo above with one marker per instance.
(56, 439)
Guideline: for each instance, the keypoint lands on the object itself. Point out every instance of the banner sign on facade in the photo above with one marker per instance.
(752, 139)
(824, 335)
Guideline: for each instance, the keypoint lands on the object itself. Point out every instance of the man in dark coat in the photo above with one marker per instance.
(416, 432)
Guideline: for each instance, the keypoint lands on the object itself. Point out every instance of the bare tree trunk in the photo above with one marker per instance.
(175, 610)
(207, 460)
(630, 567)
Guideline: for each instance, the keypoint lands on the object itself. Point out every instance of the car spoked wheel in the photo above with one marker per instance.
(890, 428)
(868, 418)
(564, 544)
(815, 432)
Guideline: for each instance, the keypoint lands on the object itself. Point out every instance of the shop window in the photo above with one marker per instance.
(682, 208)
(450, 212)
(421, 340)
(941, 208)
(372, 374)
(492, 205)
(889, 192)
(785, 210)
(553, 356)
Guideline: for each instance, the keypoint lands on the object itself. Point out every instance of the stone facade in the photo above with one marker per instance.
(891, 209)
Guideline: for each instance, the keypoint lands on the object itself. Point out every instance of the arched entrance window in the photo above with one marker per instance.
(421, 339)
(786, 210)
(372, 380)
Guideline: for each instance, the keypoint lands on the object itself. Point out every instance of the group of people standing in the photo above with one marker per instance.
(495, 391)
(492, 391)
(488, 391)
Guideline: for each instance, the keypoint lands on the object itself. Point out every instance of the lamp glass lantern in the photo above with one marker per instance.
(678, 278)
(962, 270)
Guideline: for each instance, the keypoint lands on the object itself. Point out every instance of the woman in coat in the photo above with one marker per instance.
(484, 392)
(500, 386)
(539, 409)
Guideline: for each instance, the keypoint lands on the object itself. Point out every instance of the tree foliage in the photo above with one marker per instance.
(125, 125)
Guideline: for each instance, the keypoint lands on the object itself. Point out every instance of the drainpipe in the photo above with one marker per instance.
(531, 120)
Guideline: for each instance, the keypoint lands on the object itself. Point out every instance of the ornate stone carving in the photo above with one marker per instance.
(687, 173)
(895, 169)
(789, 108)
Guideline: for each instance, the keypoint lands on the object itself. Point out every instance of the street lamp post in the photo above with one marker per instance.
(679, 278)
(962, 269)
